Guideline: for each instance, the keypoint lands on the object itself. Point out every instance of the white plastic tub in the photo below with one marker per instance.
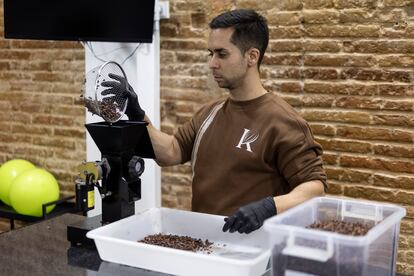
(297, 250)
(232, 254)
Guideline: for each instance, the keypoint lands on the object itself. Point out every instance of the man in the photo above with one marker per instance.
(252, 155)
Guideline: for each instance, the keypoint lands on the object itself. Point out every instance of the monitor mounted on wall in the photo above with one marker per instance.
(80, 20)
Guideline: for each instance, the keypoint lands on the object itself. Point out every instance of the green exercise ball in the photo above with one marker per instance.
(8, 172)
(31, 189)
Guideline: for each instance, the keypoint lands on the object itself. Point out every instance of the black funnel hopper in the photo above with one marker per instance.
(122, 136)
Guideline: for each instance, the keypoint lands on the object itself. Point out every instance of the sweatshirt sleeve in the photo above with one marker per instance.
(299, 157)
(186, 134)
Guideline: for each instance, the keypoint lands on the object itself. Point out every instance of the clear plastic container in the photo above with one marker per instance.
(297, 250)
(231, 254)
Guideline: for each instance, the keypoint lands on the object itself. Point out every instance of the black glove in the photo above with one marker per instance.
(250, 217)
(122, 88)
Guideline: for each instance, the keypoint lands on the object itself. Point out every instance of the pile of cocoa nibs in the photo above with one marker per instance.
(179, 242)
(109, 110)
(342, 227)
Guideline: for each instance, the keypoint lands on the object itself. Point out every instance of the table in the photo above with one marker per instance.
(42, 249)
(63, 205)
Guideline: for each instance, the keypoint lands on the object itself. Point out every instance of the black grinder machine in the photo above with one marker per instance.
(122, 144)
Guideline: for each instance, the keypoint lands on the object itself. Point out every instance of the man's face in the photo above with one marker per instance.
(228, 65)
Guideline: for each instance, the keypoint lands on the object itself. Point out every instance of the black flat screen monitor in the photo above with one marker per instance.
(83, 20)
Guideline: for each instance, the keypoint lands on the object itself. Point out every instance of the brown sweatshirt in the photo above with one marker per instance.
(244, 151)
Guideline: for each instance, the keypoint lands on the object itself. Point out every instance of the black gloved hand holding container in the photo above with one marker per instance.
(121, 87)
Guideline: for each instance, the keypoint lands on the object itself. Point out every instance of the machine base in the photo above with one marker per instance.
(76, 233)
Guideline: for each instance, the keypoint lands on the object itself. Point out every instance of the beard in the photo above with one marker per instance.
(232, 80)
(229, 83)
(224, 84)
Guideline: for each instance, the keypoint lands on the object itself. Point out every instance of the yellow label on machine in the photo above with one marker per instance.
(91, 199)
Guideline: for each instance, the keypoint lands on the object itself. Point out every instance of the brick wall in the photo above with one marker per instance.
(345, 65)
(41, 118)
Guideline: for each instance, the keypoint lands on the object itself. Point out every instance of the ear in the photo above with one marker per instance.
(253, 55)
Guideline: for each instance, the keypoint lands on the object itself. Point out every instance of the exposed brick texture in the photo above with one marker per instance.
(345, 65)
(41, 119)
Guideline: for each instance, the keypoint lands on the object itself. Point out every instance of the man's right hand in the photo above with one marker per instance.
(121, 88)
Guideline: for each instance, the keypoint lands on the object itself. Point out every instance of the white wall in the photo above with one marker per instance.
(143, 73)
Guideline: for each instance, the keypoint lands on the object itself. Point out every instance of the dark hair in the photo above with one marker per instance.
(250, 29)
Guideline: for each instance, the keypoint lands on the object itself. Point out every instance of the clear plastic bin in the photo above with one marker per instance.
(297, 250)
(231, 254)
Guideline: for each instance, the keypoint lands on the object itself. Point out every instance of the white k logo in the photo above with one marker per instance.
(247, 139)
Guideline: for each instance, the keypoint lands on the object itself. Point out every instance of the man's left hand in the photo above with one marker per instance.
(121, 88)
(250, 217)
